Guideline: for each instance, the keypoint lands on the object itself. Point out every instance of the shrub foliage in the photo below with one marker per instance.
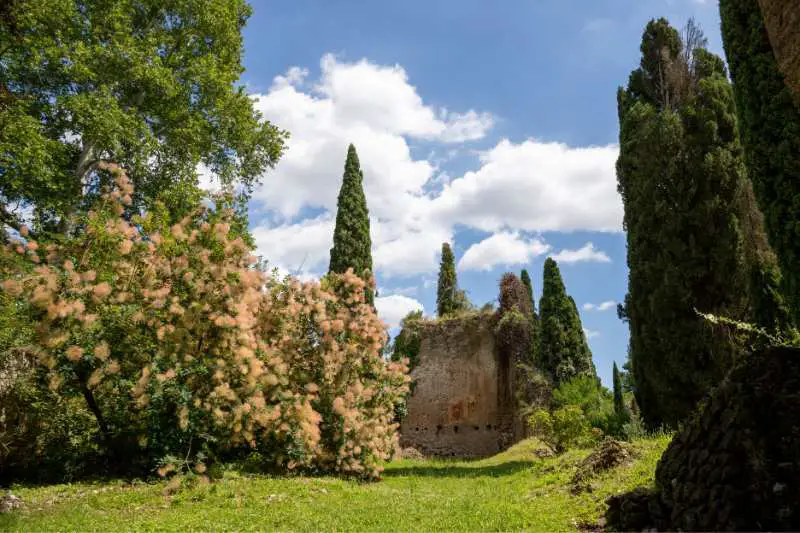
(179, 346)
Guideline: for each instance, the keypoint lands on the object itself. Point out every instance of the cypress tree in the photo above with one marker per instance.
(526, 280)
(563, 351)
(352, 246)
(680, 160)
(619, 404)
(769, 121)
(447, 286)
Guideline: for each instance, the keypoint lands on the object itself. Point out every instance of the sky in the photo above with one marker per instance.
(492, 126)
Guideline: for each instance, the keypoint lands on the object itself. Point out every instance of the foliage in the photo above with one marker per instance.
(526, 280)
(352, 245)
(151, 85)
(449, 298)
(751, 335)
(169, 337)
(770, 128)
(406, 347)
(680, 160)
(620, 410)
(562, 349)
(594, 400)
(634, 428)
(562, 429)
(330, 338)
(407, 342)
(43, 436)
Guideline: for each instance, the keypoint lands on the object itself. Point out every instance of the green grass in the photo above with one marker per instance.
(514, 490)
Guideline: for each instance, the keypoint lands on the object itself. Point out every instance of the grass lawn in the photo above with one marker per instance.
(514, 490)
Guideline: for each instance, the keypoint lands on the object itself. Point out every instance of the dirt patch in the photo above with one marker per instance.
(609, 454)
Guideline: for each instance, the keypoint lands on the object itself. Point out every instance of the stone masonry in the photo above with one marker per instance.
(462, 404)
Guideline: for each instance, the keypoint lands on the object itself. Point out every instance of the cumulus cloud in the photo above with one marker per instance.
(373, 106)
(587, 253)
(301, 248)
(414, 207)
(590, 333)
(505, 248)
(392, 309)
(604, 306)
(536, 186)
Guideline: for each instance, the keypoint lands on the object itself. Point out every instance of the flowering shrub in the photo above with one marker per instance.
(176, 341)
(331, 339)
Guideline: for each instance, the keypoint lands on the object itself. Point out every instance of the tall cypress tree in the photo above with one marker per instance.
(680, 160)
(447, 289)
(526, 280)
(619, 404)
(352, 246)
(563, 351)
(769, 122)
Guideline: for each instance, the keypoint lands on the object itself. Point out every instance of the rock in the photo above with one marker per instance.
(9, 502)
(411, 453)
(630, 511)
(543, 453)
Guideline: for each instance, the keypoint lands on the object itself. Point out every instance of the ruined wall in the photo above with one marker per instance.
(462, 404)
(782, 20)
(735, 466)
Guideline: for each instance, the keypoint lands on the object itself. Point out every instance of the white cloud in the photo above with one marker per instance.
(414, 206)
(405, 248)
(504, 248)
(587, 253)
(375, 108)
(538, 187)
(392, 309)
(301, 248)
(403, 291)
(590, 333)
(604, 306)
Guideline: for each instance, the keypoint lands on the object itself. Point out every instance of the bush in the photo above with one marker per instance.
(595, 401)
(562, 429)
(634, 428)
(179, 347)
(43, 436)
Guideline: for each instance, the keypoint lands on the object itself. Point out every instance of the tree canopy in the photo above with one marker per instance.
(563, 351)
(680, 160)
(352, 245)
(150, 85)
(769, 122)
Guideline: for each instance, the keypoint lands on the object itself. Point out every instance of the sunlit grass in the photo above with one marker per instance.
(515, 490)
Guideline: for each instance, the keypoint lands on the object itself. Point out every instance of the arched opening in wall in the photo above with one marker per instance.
(455, 429)
(438, 429)
(488, 427)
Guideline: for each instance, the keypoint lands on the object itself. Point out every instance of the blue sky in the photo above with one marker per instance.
(490, 125)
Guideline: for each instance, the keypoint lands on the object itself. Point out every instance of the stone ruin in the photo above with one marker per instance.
(462, 403)
(736, 464)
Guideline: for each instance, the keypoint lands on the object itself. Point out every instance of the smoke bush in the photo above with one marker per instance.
(179, 344)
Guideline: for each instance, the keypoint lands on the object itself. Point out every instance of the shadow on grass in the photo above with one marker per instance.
(443, 469)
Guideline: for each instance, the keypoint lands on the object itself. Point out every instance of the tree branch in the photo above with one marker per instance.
(10, 219)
